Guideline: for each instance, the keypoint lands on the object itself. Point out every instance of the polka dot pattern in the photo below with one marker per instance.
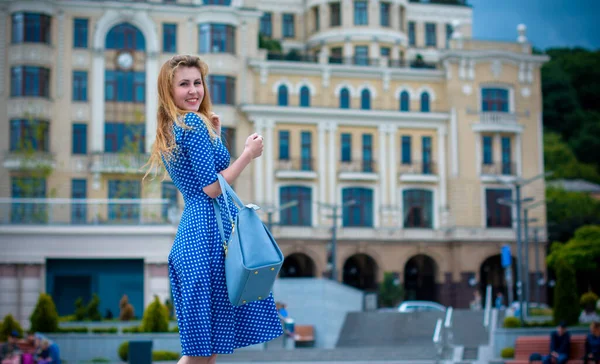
(208, 322)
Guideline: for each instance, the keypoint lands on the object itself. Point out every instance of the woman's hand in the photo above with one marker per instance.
(216, 122)
(254, 145)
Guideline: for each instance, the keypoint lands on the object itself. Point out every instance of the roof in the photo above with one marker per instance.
(576, 185)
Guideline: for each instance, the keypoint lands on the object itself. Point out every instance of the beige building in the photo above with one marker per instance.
(386, 114)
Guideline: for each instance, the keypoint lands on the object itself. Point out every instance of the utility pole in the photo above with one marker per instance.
(527, 221)
(333, 246)
(537, 266)
(270, 210)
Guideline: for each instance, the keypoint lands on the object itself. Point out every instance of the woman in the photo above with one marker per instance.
(592, 344)
(188, 145)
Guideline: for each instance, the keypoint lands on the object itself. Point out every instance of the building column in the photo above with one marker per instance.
(332, 127)
(269, 135)
(151, 98)
(395, 16)
(497, 149)
(441, 137)
(322, 129)
(478, 152)
(383, 193)
(393, 165)
(454, 141)
(97, 127)
(519, 154)
(348, 51)
(258, 167)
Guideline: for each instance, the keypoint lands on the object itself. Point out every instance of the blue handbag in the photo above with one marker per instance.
(252, 257)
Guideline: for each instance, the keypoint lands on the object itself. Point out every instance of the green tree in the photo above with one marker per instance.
(9, 324)
(586, 139)
(568, 211)
(271, 45)
(390, 290)
(566, 300)
(80, 309)
(92, 310)
(156, 317)
(583, 251)
(560, 159)
(44, 317)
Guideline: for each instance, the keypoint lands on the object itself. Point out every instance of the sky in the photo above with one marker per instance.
(550, 23)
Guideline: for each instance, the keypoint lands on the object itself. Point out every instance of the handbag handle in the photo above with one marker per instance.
(226, 191)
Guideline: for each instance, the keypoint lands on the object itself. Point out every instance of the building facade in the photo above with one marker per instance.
(383, 118)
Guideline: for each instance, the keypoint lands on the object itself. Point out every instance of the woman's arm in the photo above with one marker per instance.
(231, 173)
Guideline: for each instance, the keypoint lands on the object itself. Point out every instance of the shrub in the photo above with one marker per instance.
(507, 353)
(9, 324)
(132, 330)
(92, 311)
(44, 317)
(127, 311)
(124, 350)
(80, 311)
(163, 355)
(588, 301)
(175, 329)
(74, 330)
(566, 306)
(511, 322)
(105, 330)
(100, 360)
(156, 317)
(390, 290)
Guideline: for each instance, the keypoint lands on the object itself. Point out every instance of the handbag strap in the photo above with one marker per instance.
(226, 191)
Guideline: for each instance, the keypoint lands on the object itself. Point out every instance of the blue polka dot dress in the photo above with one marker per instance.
(208, 323)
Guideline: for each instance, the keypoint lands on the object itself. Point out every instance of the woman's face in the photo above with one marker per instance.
(188, 90)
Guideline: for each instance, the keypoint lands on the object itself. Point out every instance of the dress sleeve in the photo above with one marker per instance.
(199, 148)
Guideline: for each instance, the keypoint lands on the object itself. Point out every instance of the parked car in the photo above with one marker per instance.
(420, 306)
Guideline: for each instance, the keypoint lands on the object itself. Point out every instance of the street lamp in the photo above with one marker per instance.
(527, 220)
(334, 216)
(270, 210)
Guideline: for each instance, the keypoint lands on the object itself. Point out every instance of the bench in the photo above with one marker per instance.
(304, 335)
(527, 345)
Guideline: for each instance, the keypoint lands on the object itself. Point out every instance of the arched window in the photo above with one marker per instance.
(404, 101)
(344, 99)
(125, 36)
(304, 96)
(282, 96)
(365, 99)
(425, 102)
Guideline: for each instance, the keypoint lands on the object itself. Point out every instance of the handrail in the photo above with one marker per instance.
(488, 306)
(437, 334)
(448, 319)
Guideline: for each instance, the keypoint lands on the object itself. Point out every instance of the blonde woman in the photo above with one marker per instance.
(189, 146)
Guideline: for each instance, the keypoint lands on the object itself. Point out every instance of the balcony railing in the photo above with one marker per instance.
(292, 57)
(34, 160)
(357, 166)
(497, 118)
(499, 169)
(118, 162)
(63, 211)
(416, 168)
(295, 164)
(353, 60)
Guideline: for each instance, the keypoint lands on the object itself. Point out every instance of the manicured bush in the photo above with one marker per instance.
(105, 330)
(124, 350)
(588, 301)
(566, 300)
(163, 355)
(132, 330)
(92, 311)
(156, 317)
(100, 360)
(9, 324)
(127, 311)
(80, 310)
(507, 353)
(44, 317)
(74, 330)
(511, 322)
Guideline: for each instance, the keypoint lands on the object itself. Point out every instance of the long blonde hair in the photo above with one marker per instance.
(169, 113)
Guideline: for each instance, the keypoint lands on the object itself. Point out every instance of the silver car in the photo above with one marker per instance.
(420, 306)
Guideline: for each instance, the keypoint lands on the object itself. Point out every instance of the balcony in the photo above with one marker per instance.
(118, 162)
(29, 161)
(491, 171)
(418, 172)
(296, 168)
(361, 170)
(497, 121)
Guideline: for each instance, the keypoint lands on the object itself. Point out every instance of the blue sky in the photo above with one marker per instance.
(550, 23)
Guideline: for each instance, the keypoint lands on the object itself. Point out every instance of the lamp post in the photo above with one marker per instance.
(334, 216)
(270, 210)
(527, 221)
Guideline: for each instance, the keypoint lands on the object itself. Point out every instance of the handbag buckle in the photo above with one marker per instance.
(225, 248)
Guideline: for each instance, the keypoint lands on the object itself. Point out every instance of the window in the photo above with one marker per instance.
(385, 51)
(344, 99)
(494, 99)
(124, 212)
(168, 192)
(361, 14)
(80, 33)
(497, 215)
(31, 28)
(304, 96)
(335, 18)
(418, 208)
(288, 26)
(78, 210)
(266, 25)
(79, 142)
(28, 213)
(488, 150)
(361, 55)
(29, 81)
(506, 156)
(316, 17)
(449, 31)
(336, 55)
(301, 214)
(80, 85)
(430, 35)
(222, 89)
(217, 2)
(305, 151)
(125, 36)
(360, 213)
(412, 40)
(426, 155)
(284, 145)
(346, 152)
(28, 135)
(217, 38)
(367, 153)
(406, 149)
(124, 137)
(404, 101)
(282, 95)
(384, 14)
(228, 138)
(170, 38)
(124, 86)
(424, 102)
(365, 99)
